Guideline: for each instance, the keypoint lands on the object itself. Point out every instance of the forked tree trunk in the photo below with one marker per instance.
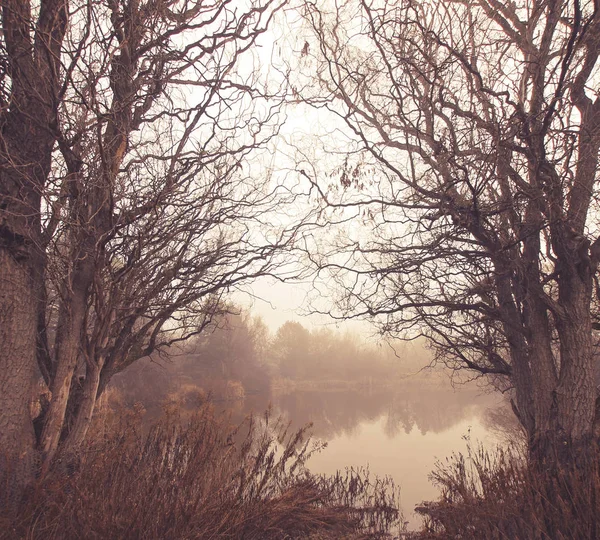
(563, 433)
(21, 267)
(68, 343)
(29, 116)
(86, 406)
(17, 370)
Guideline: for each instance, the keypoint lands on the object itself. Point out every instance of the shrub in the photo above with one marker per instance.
(202, 479)
(499, 495)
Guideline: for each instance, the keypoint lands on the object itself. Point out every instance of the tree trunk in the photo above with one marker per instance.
(576, 392)
(544, 378)
(68, 342)
(31, 76)
(85, 411)
(17, 371)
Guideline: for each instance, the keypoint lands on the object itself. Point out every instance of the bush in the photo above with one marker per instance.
(500, 496)
(202, 479)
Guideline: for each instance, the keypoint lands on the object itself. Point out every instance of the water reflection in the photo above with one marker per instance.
(397, 427)
(426, 407)
(400, 432)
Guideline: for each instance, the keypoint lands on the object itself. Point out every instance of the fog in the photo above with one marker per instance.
(375, 404)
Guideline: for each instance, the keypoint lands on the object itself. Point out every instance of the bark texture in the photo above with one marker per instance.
(18, 457)
(27, 138)
(85, 410)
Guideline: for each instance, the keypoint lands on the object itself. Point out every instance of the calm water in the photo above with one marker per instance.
(400, 433)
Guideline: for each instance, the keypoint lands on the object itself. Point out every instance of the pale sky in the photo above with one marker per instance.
(309, 139)
(278, 302)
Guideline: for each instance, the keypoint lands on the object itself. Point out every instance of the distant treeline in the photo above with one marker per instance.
(239, 357)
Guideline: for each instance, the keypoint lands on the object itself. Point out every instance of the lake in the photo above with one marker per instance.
(398, 427)
(400, 432)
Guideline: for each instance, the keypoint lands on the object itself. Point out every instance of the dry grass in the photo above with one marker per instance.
(202, 479)
(498, 496)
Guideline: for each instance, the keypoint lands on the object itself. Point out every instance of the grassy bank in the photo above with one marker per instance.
(201, 478)
(499, 496)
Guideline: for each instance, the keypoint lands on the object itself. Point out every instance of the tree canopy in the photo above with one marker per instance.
(133, 194)
(472, 162)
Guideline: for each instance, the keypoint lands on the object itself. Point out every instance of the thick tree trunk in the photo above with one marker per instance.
(544, 379)
(24, 165)
(543, 371)
(521, 370)
(17, 370)
(576, 391)
(32, 70)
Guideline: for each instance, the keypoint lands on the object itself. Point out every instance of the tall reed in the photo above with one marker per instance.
(202, 478)
(499, 495)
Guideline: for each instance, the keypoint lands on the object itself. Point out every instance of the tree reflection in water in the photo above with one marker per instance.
(400, 431)
(422, 405)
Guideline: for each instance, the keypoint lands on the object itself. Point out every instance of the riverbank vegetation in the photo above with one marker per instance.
(200, 477)
(498, 495)
(238, 358)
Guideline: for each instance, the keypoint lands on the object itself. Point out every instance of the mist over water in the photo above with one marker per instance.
(372, 406)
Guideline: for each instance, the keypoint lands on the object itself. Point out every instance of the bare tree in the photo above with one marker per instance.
(476, 169)
(128, 202)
